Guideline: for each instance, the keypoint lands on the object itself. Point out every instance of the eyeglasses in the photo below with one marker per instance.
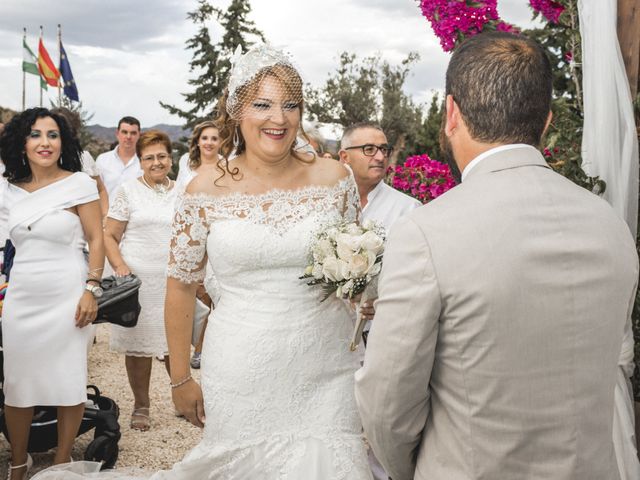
(370, 150)
(162, 157)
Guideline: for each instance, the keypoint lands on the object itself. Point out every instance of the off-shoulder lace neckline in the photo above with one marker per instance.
(273, 192)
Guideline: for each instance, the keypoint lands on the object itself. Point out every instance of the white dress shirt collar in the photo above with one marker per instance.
(482, 156)
(116, 153)
(374, 193)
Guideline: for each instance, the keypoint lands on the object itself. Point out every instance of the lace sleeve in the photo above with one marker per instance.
(119, 208)
(351, 211)
(188, 250)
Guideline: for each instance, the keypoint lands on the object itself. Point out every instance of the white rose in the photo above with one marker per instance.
(369, 224)
(359, 265)
(352, 242)
(331, 269)
(344, 251)
(372, 242)
(343, 269)
(325, 247)
(317, 271)
(353, 229)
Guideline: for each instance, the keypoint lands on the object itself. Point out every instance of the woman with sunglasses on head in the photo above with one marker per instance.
(137, 234)
(53, 212)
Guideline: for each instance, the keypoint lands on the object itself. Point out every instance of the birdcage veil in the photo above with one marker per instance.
(263, 82)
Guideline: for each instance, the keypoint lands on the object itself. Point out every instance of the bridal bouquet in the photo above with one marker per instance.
(345, 258)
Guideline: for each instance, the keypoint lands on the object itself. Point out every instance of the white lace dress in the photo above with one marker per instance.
(145, 249)
(277, 373)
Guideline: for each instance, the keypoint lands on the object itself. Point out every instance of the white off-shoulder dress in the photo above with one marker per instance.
(277, 372)
(45, 354)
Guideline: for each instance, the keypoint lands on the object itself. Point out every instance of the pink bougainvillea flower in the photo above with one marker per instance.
(422, 178)
(548, 8)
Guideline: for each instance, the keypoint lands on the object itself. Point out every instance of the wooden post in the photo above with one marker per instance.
(629, 38)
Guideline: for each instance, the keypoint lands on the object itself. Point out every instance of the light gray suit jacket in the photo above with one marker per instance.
(501, 312)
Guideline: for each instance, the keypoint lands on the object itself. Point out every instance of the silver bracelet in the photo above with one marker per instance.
(181, 382)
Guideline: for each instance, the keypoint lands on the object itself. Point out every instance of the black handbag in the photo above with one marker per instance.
(119, 301)
(7, 259)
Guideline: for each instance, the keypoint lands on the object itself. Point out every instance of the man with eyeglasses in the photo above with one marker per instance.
(120, 164)
(365, 149)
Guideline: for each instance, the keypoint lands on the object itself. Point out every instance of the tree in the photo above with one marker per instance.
(350, 95)
(368, 90)
(427, 139)
(238, 30)
(401, 117)
(213, 62)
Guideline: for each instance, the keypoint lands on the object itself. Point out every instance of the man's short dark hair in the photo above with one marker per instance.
(357, 126)
(502, 85)
(128, 121)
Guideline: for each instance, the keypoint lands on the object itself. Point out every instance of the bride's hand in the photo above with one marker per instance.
(188, 400)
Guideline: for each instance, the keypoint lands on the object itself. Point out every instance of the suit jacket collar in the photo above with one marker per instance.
(505, 160)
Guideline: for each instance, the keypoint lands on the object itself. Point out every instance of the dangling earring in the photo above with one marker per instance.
(24, 159)
(236, 138)
(60, 160)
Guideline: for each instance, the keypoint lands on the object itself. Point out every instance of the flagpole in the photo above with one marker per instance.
(24, 74)
(59, 61)
(41, 82)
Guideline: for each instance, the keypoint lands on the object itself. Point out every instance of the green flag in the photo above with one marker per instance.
(30, 63)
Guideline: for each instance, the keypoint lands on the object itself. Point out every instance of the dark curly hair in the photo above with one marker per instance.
(14, 138)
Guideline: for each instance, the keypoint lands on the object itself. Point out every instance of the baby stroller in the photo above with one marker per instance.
(100, 413)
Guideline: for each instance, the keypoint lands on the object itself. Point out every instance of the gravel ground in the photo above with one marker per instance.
(169, 438)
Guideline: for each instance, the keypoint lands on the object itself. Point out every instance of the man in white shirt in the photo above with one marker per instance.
(121, 164)
(365, 149)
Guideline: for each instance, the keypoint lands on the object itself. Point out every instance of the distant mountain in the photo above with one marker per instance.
(108, 134)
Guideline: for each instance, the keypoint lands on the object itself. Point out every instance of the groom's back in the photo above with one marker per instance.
(536, 278)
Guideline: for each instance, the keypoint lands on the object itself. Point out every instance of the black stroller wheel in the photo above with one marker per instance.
(103, 448)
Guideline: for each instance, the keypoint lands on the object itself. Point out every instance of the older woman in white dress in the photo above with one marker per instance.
(137, 234)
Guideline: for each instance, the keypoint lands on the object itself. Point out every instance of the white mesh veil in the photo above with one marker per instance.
(263, 83)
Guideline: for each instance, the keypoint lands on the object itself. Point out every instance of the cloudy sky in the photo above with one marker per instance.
(126, 56)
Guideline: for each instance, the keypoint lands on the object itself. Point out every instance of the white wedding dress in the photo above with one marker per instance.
(277, 373)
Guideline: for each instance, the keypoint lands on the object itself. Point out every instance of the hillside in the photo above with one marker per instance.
(108, 134)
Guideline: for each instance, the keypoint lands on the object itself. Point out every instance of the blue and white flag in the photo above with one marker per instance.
(70, 89)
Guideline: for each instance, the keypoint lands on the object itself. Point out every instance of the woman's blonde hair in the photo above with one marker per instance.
(194, 149)
(228, 123)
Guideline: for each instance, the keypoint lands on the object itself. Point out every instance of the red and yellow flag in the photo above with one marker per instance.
(46, 67)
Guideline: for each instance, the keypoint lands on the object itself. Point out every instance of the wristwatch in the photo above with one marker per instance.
(96, 290)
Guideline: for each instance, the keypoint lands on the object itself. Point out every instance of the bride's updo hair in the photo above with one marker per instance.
(236, 101)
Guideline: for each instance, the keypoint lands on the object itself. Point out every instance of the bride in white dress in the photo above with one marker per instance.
(277, 373)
